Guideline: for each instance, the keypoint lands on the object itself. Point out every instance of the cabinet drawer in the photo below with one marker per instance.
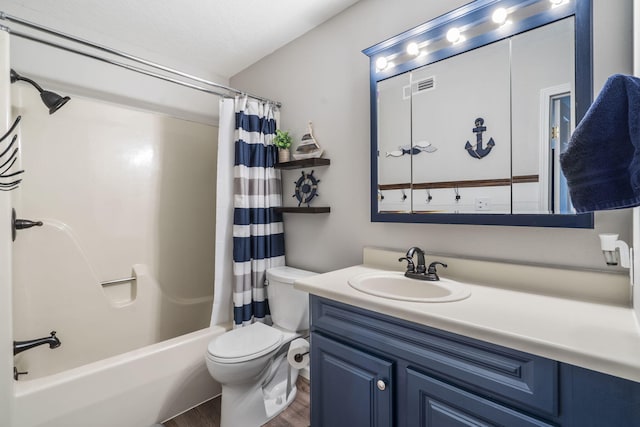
(513, 377)
(433, 403)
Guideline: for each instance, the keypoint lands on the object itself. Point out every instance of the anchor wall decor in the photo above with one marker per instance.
(478, 151)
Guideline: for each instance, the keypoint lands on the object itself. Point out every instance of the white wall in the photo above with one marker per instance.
(324, 77)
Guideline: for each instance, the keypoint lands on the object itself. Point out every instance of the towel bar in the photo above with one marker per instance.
(116, 281)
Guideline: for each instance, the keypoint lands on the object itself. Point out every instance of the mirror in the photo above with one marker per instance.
(470, 131)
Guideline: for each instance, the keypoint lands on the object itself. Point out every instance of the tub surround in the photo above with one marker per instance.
(583, 318)
(110, 312)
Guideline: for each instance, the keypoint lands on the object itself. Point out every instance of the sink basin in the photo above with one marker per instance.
(394, 285)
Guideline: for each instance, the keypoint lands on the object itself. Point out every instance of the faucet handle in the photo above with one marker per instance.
(432, 274)
(410, 266)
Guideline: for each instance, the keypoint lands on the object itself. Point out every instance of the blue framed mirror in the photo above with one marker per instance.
(471, 110)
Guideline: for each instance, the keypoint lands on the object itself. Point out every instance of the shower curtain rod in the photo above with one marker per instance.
(7, 17)
(109, 61)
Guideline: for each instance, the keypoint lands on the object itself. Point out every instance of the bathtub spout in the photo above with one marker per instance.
(20, 346)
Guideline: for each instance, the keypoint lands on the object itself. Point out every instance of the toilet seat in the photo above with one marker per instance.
(240, 345)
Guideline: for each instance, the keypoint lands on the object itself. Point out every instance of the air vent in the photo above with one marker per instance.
(424, 84)
(419, 87)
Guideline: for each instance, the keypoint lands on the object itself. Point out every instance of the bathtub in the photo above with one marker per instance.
(133, 389)
(131, 354)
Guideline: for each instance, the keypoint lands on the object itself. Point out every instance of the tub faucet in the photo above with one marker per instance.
(412, 269)
(20, 346)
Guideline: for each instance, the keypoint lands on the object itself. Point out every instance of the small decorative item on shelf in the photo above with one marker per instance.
(282, 140)
(306, 188)
(309, 147)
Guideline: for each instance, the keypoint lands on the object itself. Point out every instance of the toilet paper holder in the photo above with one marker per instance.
(299, 356)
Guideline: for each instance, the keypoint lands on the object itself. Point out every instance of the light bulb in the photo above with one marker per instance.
(413, 49)
(453, 35)
(499, 16)
(381, 63)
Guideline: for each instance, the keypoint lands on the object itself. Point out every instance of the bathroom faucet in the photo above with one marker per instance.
(412, 269)
(20, 346)
(420, 268)
(420, 271)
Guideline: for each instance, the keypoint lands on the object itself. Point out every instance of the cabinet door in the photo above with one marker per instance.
(434, 403)
(349, 387)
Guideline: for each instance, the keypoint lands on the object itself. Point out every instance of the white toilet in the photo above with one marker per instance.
(251, 362)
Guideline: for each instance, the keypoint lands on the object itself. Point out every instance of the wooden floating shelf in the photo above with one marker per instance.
(304, 163)
(296, 209)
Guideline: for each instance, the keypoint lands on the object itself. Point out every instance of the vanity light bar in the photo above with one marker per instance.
(455, 35)
(413, 49)
(500, 16)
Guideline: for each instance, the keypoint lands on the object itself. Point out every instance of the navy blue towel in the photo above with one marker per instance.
(602, 161)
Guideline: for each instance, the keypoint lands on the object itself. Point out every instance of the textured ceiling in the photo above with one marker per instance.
(210, 38)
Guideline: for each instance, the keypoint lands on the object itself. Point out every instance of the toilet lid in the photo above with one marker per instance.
(243, 344)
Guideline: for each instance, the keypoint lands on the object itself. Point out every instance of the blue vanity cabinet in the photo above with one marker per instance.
(436, 403)
(353, 387)
(370, 369)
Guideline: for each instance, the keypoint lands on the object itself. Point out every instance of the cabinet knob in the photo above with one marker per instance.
(381, 385)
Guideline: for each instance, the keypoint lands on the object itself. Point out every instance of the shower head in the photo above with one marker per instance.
(52, 100)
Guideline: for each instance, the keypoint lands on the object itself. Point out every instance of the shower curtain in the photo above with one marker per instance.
(257, 239)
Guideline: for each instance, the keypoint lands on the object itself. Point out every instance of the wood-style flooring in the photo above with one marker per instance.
(208, 414)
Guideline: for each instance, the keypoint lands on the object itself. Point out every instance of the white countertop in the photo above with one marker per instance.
(599, 336)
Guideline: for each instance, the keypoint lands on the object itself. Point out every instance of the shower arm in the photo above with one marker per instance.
(15, 77)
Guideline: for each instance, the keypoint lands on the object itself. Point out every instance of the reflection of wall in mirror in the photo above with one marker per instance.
(394, 130)
(468, 86)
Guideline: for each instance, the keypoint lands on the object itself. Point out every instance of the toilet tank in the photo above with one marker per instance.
(289, 307)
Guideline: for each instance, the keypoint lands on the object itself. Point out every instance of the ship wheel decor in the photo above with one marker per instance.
(306, 188)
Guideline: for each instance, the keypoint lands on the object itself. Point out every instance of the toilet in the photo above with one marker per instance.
(251, 362)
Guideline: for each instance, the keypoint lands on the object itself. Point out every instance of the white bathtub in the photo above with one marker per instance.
(133, 389)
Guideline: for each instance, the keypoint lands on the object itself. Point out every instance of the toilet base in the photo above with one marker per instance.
(253, 404)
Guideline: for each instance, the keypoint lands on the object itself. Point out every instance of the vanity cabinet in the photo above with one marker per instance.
(369, 369)
(355, 380)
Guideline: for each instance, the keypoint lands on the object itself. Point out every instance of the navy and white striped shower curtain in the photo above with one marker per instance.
(258, 235)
